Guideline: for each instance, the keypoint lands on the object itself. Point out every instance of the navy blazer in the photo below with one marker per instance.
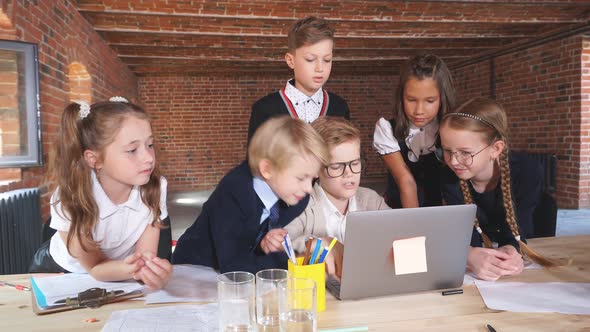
(224, 234)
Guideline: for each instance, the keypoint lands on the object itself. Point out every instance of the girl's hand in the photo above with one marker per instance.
(515, 259)
(272, 240)
(156, 273)
(133, 263)
(490, 264)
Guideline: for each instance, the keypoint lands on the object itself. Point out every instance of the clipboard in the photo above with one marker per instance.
(90, 298)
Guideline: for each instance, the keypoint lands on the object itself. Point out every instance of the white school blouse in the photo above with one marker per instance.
(420, 140)
(117, 231)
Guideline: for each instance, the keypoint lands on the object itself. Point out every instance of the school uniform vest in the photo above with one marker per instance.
(277, 103)
(426, 173)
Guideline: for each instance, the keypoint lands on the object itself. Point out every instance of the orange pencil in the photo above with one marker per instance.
(307, 250)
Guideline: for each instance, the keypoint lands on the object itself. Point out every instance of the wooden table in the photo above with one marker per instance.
(417, 312)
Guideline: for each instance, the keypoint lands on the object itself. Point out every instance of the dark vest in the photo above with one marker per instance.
(426, 172)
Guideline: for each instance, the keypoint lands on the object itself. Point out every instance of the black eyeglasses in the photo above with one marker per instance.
(335, 170)
(463, 157)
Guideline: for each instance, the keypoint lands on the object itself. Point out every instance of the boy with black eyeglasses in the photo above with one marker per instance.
(336, 193)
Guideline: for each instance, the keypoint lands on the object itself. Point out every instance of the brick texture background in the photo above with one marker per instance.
(201, 121)
(541, 89)
(64, 37)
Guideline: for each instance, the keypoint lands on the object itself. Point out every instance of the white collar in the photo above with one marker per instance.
(421, 140)
(106, 207)
(297, 97)
(264, 192)
(430, 129)
(327, 203)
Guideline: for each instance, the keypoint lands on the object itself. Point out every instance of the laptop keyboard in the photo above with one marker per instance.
(333, 286)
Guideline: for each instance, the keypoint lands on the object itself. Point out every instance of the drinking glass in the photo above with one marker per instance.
(267, 298)
(235, 292)
(297, 305)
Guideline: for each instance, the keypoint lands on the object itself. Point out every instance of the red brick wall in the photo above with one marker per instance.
(202, 121)
(63, 37)
(540, 87)
(585, 132)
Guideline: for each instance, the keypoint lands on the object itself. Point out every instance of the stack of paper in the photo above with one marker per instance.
(173, 318)
(562, 297)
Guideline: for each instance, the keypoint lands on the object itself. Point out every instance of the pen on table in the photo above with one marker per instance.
(19, 287)
(452, 292)
(327, 251)
(318, 245)
(490, 328)
(307, 250)
(346, 329)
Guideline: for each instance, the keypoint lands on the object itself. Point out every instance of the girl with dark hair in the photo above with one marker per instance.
(406, 143)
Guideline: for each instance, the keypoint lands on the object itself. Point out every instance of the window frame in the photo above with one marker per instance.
(32, 107)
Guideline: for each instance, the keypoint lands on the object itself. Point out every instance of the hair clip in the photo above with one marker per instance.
(84, 109)
(118, 99)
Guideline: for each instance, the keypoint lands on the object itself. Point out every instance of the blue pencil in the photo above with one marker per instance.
(323, 255)
(318, 245)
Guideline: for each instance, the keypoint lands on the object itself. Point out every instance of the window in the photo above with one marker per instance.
(20, 127)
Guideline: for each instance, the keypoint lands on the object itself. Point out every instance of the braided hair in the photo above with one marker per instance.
(488, 118)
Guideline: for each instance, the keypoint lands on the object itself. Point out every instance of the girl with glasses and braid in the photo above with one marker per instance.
(505, 186)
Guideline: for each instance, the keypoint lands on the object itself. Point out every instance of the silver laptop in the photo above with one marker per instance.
(369, 267)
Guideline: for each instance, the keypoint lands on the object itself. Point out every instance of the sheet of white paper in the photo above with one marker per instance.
(409, 255)
(561, 297)
(178, 318)
(189, 283)
(59, 287)
(470, 278)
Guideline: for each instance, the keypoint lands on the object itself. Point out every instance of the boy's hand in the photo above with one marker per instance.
(334, 259)
(272, 240)
(133, 263)
(156, 273)
(490, 264)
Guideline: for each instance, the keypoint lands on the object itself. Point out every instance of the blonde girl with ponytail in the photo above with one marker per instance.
(110, 198)
(505, 186)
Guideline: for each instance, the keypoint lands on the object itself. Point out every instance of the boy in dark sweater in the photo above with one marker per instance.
(241, 225)
(311, 41)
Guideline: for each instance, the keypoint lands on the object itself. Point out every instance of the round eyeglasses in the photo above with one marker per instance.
(463, 157)
(335, 170)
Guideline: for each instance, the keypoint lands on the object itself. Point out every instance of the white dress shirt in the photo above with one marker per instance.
(307, 108)
(335, 221)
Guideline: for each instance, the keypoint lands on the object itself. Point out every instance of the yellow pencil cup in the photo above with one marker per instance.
(317, 272)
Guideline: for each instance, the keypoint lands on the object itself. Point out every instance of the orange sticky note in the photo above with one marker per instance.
(409, 255)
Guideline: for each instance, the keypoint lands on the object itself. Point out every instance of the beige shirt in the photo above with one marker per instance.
(313, 221)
